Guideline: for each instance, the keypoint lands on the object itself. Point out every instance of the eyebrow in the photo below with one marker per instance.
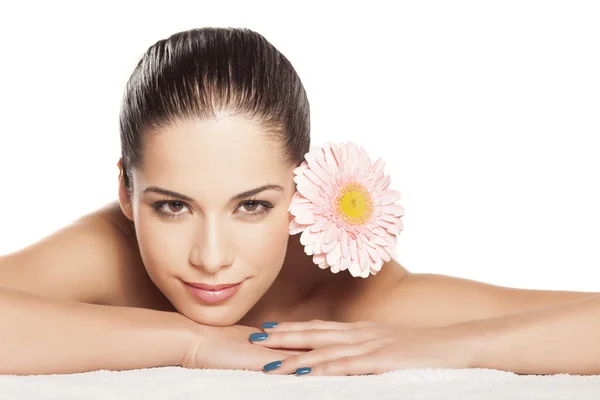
(239, 196)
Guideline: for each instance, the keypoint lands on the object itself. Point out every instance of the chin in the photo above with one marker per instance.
(215, 317)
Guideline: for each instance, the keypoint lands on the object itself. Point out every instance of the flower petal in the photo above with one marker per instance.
(377, 169)
(318, 258)
(391, 228)
(352, 161)
(354, 269)
(383, 183)
(345, 263)
(300, 168)
(377, 265)
(297, 198)
(311, 192)
(390, 196)
(337, 154)
(317, 169)
(317, 249)
(390, 218)
(344, 244)
(327, 247)
(383, 254)
(354, 251)
(312, 177)
(393, 220)
(391, 251)
(373, 253)
(344, 162)
(319, 225)
(334, 255)
(331, 234)
(365, 262)
(305, 217)
(296, 227)
(299, 208)
(330, 161)
(308, 237)
(335, 268)
(394, 209)
(308, 249)
(364, 163)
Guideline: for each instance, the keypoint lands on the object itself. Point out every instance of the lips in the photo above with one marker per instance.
(213, 294)
(205, 286)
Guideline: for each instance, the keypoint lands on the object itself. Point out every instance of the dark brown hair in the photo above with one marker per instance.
(195, 73)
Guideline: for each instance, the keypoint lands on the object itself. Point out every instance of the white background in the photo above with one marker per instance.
(485, 112)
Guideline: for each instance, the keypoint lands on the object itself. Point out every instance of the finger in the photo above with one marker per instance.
(292, 352)
(311, 339)
(320, 356)
(228, 355)
(353, 365)
(313, 325)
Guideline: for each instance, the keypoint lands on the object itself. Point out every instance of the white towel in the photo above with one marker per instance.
(181, 384)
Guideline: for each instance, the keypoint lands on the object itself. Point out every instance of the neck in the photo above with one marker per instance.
(299, 293)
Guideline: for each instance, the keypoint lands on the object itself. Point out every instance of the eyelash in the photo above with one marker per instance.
(252, 214)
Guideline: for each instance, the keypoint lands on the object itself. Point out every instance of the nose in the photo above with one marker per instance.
(211, 249)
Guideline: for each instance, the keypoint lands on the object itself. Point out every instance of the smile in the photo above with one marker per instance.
(213, 294)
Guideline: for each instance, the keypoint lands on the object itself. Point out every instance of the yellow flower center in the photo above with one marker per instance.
(354, 204)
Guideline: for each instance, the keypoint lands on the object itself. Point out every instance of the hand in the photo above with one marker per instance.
(362, 348)
(228, 348)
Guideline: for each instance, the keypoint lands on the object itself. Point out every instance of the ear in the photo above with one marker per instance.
(124, 195)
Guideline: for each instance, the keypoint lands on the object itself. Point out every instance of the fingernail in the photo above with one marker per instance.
(267, 325)
(271, 366)
(303, 371)
(258, 336)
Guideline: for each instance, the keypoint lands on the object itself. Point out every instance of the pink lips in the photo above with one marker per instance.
(213, 294)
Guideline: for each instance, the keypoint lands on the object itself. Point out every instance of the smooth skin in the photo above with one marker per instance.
(101, 294)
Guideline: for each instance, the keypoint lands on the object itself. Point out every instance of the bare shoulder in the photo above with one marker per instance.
(95, 259)
(362, 296)
(432, 300)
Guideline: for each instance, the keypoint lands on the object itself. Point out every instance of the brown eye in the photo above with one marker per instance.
(251, 206)
(173, 207)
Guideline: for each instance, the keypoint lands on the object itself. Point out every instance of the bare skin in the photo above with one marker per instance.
(194, 222)
(394, 296)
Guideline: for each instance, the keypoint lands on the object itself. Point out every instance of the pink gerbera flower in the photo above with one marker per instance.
(345, 211)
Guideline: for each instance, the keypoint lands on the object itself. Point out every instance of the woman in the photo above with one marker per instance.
(196, 255)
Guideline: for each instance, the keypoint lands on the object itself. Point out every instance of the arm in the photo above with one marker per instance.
(40, 335)
(564, 338)
(80, 262)
(430, 300)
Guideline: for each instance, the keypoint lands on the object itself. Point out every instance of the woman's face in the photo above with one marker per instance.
(209, 204)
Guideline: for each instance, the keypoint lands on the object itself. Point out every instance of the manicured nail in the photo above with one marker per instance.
(267, 325)
(271, 366)
(258, 336)
(303, 371)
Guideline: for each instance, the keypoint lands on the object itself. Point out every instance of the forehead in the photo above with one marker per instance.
(230, 153)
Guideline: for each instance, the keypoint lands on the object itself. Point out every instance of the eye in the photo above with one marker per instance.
(171, 208)
(254, 208)
(251, 206)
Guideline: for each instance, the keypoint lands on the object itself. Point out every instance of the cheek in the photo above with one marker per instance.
(162, 245)
(264, 244)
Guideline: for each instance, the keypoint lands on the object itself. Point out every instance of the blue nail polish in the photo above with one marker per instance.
(271, 366)
(303, 371)
(258, 336)
(267, 325)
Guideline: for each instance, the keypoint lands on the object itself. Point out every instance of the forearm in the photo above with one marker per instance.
(559, 339)
(44, 336)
